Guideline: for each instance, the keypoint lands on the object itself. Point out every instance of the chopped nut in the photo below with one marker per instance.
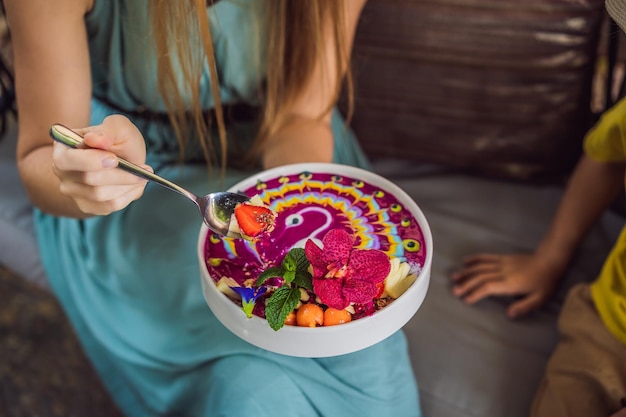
(382, 302)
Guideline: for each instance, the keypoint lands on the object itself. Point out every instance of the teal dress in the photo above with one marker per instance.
(130, 283)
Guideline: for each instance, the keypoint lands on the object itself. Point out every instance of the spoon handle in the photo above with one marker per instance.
(72, 139)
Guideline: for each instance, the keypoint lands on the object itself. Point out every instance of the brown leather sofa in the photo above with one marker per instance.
(477, 109)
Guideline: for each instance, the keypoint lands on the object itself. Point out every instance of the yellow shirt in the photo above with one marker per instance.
(606, 142)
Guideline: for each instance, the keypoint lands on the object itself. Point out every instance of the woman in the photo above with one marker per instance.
(183, 81)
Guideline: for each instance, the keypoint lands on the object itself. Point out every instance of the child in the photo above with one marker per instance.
(586, 374)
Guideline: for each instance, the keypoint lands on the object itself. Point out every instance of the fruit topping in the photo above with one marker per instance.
(253, 218)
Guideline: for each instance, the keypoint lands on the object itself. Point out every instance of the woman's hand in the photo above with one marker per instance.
(88, 175)
(529, 276)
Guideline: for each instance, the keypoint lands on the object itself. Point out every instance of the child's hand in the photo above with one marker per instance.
(89, 176)
(486, 275)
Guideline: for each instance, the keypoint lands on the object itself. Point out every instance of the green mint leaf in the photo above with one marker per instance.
(289, 276)
(289, 263)
(299, 256)
(280, 304)
(273, 272)
(304, 279)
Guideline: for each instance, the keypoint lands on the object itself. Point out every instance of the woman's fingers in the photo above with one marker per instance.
(99, 185)
(92, 167)
(120, 136)
(69, 159)
(89, 174)
(91, 177)
(102, 205)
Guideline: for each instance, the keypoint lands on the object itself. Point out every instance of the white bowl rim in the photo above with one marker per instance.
(357, 173)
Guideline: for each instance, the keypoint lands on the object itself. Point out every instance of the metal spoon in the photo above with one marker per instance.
(215, 208)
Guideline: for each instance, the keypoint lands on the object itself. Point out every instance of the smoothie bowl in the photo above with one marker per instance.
(345, 265)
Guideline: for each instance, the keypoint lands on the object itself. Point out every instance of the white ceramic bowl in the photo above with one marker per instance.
(332, 340)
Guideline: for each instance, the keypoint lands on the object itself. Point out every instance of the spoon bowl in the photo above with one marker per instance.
(215, 208)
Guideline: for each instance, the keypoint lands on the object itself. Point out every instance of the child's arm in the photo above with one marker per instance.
(592, 188)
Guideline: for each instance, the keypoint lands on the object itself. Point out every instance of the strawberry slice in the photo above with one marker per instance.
(254, 220)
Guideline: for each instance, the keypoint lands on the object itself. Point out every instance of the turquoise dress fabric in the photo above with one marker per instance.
(130, 283)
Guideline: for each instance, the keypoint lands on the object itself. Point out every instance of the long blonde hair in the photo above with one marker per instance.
(296, 41)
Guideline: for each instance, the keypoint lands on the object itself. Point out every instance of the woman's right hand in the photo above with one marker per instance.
(88, 175)
(531, 277)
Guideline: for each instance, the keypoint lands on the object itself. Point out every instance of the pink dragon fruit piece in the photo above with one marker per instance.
(343, 275)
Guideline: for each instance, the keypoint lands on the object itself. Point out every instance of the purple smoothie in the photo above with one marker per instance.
(308, 206)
